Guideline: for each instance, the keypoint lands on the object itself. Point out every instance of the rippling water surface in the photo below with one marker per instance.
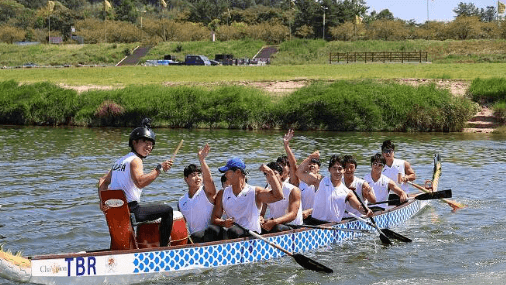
(49, 200)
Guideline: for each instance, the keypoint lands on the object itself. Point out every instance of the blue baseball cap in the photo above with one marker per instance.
(233, 162)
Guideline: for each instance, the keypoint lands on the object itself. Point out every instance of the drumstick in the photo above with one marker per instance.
(177, 149)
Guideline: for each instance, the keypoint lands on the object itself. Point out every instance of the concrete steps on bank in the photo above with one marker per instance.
(135, 57)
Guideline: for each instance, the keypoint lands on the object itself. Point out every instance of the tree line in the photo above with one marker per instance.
(273, 21)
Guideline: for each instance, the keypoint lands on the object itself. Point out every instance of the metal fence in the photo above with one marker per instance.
(382, 56)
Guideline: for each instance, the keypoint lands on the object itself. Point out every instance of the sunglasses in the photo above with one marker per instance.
(378, 164)
(388, 150)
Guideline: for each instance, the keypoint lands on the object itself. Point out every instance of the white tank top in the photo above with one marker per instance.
(307, 194)
(196, 210)
(393, 171)
(121, 178)
(243, 207)
(280, 208)
(380, 188)
(330, 201)
(357, 183)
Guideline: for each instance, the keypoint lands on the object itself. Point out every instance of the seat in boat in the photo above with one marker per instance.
(118, 220)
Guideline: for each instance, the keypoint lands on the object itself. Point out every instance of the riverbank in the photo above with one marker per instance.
(484, 121)
(362, 105)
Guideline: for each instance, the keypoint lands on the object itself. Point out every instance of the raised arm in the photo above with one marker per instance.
(263, 195)
(142, 179)
(294, 180)
(304, 175)
(209, 186)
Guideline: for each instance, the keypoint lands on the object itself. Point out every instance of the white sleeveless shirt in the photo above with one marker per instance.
(196, 210)
(380, 188)
(243, 207)
(280, 208)
(357, 183)
(330, 201)
(121, 178)
(392, 172)
(307, 193)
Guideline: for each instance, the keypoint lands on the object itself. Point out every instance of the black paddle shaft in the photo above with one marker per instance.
(384, 239)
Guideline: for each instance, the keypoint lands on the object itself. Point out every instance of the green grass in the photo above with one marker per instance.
(46, 55)
(123, 76)
(488, 90)
(240, 49)
(295, 52)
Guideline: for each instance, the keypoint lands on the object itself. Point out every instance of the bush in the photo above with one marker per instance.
(368, 106)
(488, 90)
(36, 104)
(9, 34)
(500, 111)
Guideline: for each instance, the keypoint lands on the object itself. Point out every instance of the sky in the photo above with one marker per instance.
(439, 10)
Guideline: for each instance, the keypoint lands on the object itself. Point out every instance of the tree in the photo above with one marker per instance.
(127, 11)
(488, 15)
(467, 10)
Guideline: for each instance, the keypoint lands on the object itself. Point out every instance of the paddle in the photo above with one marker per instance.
(302, 260)
(329, 228)
(454, 204)
(435, 181)
(384, 239)
(394, 200)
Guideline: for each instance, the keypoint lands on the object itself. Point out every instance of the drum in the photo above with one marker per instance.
(148, 233)
(179, 234)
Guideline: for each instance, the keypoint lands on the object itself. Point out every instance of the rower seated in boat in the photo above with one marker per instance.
(332, 197)
(381, 184)
(285, 212)
(127, 174)
(400, 171)
(242, 202)
(198, 203)
(358, 185)
(309, 176)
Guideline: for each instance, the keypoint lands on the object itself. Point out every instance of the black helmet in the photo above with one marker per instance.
(143, 132)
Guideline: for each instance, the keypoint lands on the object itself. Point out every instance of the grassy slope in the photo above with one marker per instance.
(122, 76)
(296, 52)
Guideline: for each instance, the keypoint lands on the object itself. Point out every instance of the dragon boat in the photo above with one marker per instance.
(135, 256)
(143, 264)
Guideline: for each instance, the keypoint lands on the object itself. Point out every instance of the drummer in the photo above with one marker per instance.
(198, 203)
(242, 202)
(128, 175)
(285, 212)
(381, 184)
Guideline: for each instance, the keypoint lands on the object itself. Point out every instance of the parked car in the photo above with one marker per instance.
(196, 60)
(29, 65)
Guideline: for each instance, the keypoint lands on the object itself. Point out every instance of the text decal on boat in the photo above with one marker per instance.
(83, 265)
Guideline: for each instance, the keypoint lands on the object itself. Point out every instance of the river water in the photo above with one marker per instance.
(49, 200)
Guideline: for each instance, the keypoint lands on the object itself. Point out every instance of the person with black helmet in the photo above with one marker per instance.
(127, 174)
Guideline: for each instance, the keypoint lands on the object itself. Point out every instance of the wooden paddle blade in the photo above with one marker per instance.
(435, 195)
(310, 264)
(397, 236)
